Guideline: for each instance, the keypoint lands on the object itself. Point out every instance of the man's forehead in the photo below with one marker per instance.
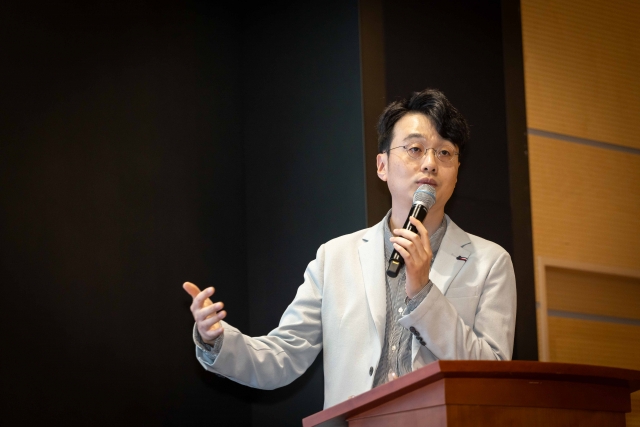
(420, 137)
(418, 125)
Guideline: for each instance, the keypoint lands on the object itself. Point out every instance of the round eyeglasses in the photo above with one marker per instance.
(417, 151)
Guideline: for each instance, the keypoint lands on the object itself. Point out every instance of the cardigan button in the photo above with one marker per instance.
(371, 371)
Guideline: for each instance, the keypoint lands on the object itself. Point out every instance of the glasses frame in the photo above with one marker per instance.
(426, 150)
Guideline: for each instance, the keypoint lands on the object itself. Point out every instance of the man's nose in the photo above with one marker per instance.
(430, 161)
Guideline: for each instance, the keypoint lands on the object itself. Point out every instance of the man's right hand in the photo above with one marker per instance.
(206, 314)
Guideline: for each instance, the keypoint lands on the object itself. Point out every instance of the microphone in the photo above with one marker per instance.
(423, 199)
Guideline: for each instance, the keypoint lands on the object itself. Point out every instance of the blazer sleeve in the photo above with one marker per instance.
(489, 337)
(280, 357)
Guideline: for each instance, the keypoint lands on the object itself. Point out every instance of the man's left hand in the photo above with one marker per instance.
(417, 254)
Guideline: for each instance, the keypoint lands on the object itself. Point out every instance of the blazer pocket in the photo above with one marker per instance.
(462, 292)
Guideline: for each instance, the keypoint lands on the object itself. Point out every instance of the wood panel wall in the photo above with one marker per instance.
(585, 202)
(582, 62)
(582, 68)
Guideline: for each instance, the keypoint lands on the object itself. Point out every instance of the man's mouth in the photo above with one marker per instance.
(429, 181)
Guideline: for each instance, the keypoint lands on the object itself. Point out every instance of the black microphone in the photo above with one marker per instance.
(423, 199)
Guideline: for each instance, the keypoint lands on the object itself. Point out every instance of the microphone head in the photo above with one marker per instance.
(425, 195)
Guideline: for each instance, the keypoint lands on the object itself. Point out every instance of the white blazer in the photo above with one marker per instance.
(341, 307)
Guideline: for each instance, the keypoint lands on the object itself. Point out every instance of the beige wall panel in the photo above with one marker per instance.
(582, 79)
(593, 293)
(582, 68)
(594, 343)
(585, 203)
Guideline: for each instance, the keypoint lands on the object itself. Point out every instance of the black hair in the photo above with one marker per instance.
(446, 119)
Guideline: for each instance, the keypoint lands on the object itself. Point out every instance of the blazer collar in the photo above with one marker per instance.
(454, 250)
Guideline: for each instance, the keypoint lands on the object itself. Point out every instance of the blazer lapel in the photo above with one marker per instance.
(371, 253)
(451, 256)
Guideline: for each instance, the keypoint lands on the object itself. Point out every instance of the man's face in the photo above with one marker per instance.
(405, 174)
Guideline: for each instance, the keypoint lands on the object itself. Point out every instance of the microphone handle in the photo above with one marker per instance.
(418, 211)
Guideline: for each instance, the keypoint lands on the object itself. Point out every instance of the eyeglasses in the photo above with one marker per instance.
(417, 151)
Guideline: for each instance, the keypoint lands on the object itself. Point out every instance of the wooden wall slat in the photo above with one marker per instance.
(593, 293)
(585, 203)
(594, 343)
(582, 62)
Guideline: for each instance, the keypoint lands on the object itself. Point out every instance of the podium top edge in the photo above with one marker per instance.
(516, 367)
(442, 369)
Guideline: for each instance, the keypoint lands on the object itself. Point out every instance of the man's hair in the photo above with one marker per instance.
(446, 119)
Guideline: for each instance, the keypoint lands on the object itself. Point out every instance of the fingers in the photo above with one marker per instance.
(212, 321)
(208, 311)
(210, 335)
(191, 289)
(409, 249)
(422, 235)
(402, 251)
(200, 299)
(197, 295)
(392, 376)
(415, 250)
(422, 231)
(206, 314)
(416, 244)
(210, 328)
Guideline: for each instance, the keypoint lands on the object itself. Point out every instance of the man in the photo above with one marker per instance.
(455, 298)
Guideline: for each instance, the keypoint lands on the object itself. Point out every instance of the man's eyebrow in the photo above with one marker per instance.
(421, 136)
(414, 135)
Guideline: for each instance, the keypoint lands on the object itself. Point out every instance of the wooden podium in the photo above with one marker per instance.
(488, 393)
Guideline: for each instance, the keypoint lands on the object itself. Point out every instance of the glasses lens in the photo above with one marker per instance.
(415, 150)
(445, 155)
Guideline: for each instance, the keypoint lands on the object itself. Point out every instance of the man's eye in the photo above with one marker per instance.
(445, 153)
(415, 150)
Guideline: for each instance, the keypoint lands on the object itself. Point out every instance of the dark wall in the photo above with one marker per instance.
(457, 47)
(526, 341)
(304, 164)
(149, 144)
(118, 184)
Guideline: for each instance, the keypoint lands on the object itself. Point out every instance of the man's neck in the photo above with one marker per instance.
(431, 222)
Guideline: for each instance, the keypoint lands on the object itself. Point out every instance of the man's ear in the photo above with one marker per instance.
(382, 161)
